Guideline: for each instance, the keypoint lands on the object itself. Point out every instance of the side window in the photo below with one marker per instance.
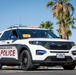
(14, 33)
(5, 35)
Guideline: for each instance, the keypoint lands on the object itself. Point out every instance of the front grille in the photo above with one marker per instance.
(58, 45)
(59, 51)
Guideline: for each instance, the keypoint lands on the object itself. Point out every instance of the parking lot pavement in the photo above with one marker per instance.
(41, 67)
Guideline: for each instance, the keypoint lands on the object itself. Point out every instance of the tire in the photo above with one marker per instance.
(0, 66)
(69, 67)
(26, 61)
(35, 67)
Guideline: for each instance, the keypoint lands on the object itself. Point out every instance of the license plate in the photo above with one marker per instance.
(60, 55)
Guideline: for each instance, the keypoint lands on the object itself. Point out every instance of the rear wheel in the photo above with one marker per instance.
(69, 67)
(25, 61)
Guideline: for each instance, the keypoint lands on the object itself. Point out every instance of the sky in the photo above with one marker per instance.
(29, 13)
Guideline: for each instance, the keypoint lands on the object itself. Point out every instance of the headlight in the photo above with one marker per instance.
(74, 52)
(40, 52)
(37, 42)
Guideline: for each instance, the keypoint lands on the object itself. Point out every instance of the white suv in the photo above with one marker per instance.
(34, 47)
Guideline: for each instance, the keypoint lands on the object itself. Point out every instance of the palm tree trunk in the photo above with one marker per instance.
(63, 29)
(67, 36)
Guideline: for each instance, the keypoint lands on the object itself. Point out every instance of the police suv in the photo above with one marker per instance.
(34, 47)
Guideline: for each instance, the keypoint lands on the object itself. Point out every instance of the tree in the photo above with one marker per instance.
(63, 11)
(47, 25)
(68, 24)
(67, 29)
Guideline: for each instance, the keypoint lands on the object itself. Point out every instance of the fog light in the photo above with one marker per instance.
(74, 52)
(40, 52)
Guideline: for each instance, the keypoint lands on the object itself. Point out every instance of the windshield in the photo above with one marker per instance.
(34, 33)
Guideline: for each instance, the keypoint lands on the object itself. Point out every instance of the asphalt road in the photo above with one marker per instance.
(49, 71)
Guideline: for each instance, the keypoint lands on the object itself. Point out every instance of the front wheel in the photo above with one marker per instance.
(25, 61)
(69, 67)
(0, 66)
(35, 67)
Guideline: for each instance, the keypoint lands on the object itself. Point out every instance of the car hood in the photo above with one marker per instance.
(49, 39)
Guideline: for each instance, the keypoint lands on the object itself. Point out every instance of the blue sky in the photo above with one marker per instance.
(29, 13)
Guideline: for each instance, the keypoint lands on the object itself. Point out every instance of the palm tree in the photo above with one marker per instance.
(61, 10)
(67, 30)
(47, 25)
(68, 24)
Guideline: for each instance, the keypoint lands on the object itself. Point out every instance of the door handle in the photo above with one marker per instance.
(8, 42)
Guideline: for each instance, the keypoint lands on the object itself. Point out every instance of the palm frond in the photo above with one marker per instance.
(65, 1)
(50, 4)
(47, 25)
(70, 6)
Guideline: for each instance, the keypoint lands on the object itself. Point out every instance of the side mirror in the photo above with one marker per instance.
(61, 36)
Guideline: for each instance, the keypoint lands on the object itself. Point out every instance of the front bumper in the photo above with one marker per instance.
(52, 60)
(50, 57)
